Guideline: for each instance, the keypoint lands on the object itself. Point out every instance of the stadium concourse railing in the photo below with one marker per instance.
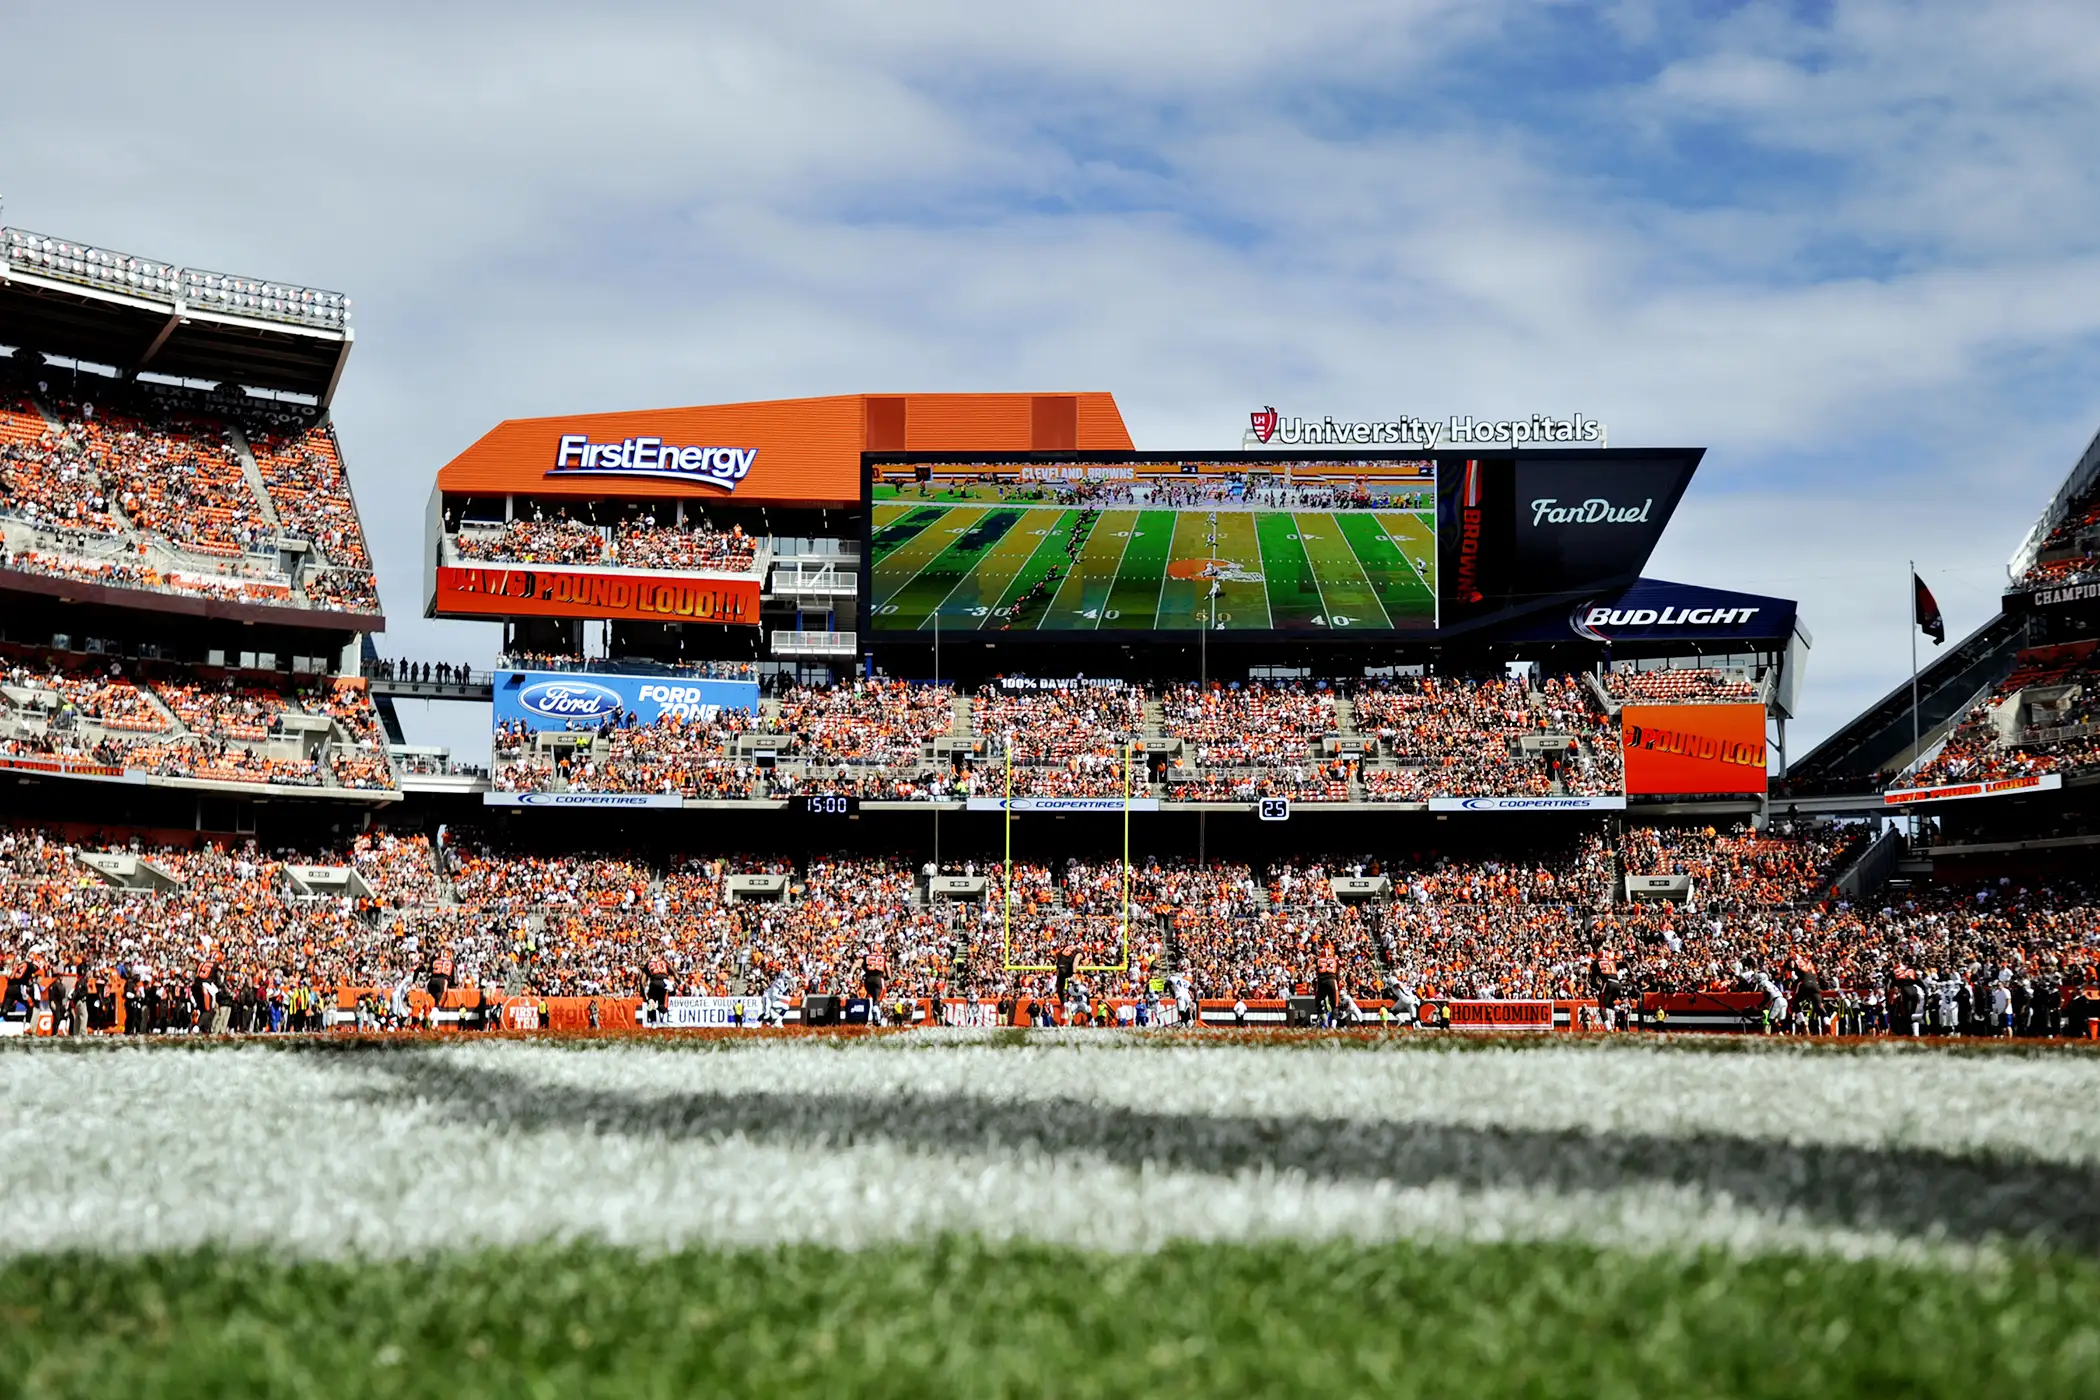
(116, 560)
(46, 739)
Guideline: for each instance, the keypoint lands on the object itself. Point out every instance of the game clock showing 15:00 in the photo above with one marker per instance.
(827, 804)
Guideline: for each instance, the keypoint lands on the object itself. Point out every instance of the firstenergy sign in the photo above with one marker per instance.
(577, 455)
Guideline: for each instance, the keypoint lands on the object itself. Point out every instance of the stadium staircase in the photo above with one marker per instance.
(1879, 740)
(1870, 869)
(1602, 696)
(153, 700)
(252, 474)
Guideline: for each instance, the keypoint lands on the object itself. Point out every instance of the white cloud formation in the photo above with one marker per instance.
(1855, 256)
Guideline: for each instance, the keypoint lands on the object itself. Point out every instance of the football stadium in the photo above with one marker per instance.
(956, 900)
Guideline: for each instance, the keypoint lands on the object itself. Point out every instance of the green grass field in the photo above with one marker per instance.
(960, 1317)
(1057, 1214)
(977, 564)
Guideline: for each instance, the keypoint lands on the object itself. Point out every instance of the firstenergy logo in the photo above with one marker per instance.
(577, 455)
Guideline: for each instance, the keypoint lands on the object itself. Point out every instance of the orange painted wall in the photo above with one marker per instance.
(1681, 749)
(808, 449)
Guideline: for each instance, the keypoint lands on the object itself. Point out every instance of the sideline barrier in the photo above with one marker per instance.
(1560, 1014)
(1739, 1012)
(1531, 1015)
(461, 1010)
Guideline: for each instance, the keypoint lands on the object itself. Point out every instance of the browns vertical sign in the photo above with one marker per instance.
(1685, 750)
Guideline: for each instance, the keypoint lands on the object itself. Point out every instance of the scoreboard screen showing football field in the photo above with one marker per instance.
(1297, 546)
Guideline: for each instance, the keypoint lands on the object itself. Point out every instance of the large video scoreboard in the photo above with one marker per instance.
(1254, 544)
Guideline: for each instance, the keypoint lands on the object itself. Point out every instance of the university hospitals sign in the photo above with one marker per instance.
(1267, 428)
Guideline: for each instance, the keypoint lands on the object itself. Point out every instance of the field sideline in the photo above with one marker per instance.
(953, 1212)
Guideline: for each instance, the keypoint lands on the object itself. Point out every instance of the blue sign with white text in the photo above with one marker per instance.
(574, 700)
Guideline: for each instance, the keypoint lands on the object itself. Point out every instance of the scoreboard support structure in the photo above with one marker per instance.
(1007, 884)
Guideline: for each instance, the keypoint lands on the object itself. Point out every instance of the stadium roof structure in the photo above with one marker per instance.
(138, 314)
(2076, 483)
(806, 451)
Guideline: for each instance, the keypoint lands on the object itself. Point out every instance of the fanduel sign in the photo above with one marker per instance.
(577, 455)
(1594, 511)
(1266, 425)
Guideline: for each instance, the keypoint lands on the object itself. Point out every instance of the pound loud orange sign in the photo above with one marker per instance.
(1684, 749)
(538, 592)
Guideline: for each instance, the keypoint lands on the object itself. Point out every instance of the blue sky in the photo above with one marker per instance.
(1851, 248)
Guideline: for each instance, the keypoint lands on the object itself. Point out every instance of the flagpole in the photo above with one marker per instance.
(1915, 825)
(1914, 662)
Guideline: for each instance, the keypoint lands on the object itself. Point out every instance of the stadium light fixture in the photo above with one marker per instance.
(41, 255)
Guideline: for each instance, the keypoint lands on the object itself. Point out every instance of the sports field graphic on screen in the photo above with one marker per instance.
(1312, 547)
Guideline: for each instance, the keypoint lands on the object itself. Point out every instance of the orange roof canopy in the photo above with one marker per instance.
(807, 450)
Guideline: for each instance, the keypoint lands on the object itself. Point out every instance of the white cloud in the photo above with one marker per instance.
(1772, 238)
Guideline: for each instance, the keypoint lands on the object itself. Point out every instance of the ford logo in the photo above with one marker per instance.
(570, 700)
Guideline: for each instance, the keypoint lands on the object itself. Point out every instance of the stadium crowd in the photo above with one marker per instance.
(2012, 734)
(1405, 740)
(1701, 686)
(178, 725)
(101, 481)
(2072, 541)
(638, 543)
(232, 927)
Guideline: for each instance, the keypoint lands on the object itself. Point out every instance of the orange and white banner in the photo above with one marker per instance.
(1988, 787)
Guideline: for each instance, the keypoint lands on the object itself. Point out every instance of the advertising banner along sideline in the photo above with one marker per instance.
(1488, 1015)
(1678, 750)
(1063, 804)
(1549, 803)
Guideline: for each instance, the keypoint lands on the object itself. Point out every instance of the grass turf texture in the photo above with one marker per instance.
(963, 1318)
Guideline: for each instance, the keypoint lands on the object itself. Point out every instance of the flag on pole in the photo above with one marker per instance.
(1928, 609)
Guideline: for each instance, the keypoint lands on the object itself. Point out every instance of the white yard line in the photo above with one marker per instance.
(505, 1144)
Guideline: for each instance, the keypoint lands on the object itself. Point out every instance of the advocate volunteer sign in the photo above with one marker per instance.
(535, 591)
(1682, 750)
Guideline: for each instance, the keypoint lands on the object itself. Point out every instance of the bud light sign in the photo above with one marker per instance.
(570, 701)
